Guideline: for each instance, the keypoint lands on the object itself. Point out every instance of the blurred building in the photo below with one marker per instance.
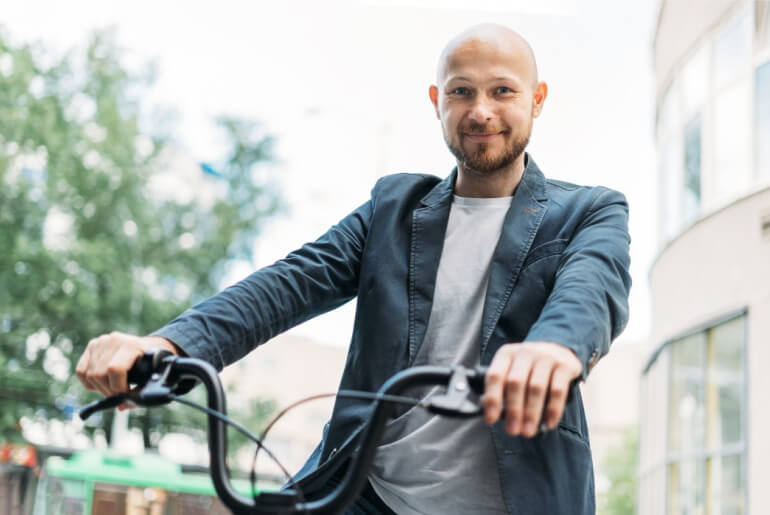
(704, 412)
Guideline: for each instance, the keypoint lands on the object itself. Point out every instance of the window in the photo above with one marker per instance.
(692, 168)
(706, 421)
(732, 51)
(732, 142)
(695, 80)
(762, 121)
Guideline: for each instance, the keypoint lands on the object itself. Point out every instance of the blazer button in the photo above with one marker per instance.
(593, 359)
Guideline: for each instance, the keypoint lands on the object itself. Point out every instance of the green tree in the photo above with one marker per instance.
(85, 247)
(620, 468)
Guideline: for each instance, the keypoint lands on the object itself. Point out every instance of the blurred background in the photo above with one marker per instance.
(152, 153)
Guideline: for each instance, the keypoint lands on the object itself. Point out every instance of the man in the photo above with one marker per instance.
(494, 264)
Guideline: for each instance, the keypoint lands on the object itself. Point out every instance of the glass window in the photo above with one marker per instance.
(686, 487)
(672, 184)
(732, 51)
(726, 485)
(726, 383)
(706, 421)
(762, 120)
(695, 80)
(57, 496)
(692, 168)
(732, 140)
(686, 413)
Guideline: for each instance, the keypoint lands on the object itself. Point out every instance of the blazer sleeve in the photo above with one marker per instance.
(588, 306)
(312, 280)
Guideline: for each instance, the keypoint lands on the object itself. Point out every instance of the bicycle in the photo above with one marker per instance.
(161, 377)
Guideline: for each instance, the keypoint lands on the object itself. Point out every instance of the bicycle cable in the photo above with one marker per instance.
(251, 436)
(258, 440)
(351, 394)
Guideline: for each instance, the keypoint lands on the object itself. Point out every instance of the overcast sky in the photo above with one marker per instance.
(343, 87)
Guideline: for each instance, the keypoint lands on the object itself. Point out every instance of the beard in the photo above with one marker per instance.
(480, 160)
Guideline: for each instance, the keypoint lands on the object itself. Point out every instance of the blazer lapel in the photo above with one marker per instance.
(521, 223)
(427, 241)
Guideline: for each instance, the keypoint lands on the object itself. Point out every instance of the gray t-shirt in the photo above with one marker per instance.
(428, 464)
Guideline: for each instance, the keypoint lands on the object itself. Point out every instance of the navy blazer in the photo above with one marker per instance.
(559, 273)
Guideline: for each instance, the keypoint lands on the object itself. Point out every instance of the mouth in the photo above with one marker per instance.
(482, 137)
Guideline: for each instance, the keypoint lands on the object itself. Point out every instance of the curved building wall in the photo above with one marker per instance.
(704, 391)
(703, 405)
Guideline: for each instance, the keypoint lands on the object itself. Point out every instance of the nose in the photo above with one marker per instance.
(482, 110)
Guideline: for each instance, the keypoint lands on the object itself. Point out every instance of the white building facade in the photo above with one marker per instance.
(703, 446)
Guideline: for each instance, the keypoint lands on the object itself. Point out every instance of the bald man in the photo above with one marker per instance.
(495, 264)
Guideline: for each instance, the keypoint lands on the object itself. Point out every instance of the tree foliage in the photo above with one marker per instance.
(87, 246)
(620, 467)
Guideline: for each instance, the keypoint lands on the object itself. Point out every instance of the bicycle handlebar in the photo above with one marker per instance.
(160, 375)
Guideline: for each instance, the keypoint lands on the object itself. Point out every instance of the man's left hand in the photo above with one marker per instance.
(521, 377)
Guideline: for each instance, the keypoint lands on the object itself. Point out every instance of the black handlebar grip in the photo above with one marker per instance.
(146, 365)
(141, 371)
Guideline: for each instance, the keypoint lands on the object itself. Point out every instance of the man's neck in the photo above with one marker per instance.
(498, 183)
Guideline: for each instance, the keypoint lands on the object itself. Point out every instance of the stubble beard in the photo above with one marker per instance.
(480, 162)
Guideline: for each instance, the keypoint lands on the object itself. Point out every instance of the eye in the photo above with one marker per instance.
(460, 91)
(504, 90)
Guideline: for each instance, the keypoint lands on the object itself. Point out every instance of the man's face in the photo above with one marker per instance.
(486, 100)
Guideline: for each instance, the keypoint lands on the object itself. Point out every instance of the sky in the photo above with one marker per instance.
(343, 87)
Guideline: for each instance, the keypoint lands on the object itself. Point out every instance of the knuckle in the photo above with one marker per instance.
(488, 401)
(514, 384)
(536, 389)
(94, 376)
(514, 412)
(558, 392)
(552, 412)
(494, 377)
(114, 369)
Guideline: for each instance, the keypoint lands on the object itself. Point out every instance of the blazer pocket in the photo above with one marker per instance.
(544, 250)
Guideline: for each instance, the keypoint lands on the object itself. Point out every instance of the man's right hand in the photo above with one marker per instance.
(105, 363)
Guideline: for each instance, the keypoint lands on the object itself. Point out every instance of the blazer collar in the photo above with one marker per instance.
(532, 179)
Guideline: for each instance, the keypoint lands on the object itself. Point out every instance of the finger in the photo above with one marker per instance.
(557, 396)
(118, 368)
(537, 388)
(82, 368)
(515, 390)
(101, 351)
(126, 405)
(494, 384)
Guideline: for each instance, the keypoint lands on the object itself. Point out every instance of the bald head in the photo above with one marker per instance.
(485, 38)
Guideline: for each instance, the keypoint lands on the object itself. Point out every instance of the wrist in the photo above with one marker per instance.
(158, 342)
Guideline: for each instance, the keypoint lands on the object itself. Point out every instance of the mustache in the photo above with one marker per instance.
(481, 128)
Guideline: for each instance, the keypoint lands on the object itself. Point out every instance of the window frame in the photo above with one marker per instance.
(708, 453)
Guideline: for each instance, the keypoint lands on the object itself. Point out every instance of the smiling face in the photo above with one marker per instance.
(486, 98)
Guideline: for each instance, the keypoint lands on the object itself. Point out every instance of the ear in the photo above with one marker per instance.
(433, 94)
(538, 98)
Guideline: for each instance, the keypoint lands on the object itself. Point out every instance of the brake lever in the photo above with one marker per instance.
(153, 388)
(102, 404)
(456, 401)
